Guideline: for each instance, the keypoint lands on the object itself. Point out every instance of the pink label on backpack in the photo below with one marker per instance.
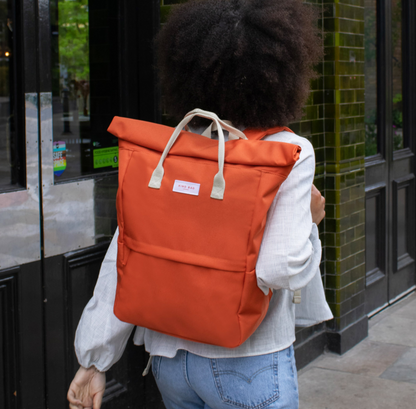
(188, 188)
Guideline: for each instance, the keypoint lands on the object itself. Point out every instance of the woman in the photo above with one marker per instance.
(250, 62)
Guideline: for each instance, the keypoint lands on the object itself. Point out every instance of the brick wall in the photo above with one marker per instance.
(312, 126)
(334, 123)
(344, 236)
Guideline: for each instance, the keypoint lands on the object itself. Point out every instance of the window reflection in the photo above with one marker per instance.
(79, 149)
(10, 166)
(165, 9)
(397, 113)
(370, 15)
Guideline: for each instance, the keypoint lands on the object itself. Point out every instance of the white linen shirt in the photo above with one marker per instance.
(289, 260)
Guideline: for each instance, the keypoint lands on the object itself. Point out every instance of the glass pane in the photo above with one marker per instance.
(10, 165)
(397, 74)
(165, 8)
(82, 89)
(370, 15)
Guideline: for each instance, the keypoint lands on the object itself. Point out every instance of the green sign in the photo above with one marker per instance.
(104, 157)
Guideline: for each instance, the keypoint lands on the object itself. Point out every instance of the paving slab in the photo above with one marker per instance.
(408, 310)
(393, 309)
(367, 358)
(394, 329)
(327, 389)
(404, 369)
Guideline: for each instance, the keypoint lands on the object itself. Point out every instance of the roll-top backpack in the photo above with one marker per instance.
(191, 213)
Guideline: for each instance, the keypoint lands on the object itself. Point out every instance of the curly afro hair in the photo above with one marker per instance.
(249, 61)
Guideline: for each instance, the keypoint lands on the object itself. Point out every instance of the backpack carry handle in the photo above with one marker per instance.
(218, 187)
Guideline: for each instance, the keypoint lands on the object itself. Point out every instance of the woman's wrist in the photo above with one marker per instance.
(92, 369)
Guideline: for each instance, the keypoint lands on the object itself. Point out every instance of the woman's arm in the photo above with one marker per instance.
(317, 205)
(291, 250)
(101, 337)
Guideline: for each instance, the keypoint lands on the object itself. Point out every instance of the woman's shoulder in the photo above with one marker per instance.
(289, 137)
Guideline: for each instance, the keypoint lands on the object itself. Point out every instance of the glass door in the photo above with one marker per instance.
(19, 185)
(21, 294)
(95, 63)
(67, 67)
(390, 136)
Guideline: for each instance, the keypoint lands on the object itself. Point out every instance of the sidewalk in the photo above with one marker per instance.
(378, 373)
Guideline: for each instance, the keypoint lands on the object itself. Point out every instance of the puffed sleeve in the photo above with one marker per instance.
(101, 337)
(290, 252)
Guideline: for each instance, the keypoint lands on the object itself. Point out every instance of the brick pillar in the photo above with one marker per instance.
(310, 342)
(344, 237)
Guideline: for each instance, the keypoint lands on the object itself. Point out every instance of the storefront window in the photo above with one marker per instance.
(165, 8)
(10, 160)
(397, 113)
(371, 140)
(80, 91)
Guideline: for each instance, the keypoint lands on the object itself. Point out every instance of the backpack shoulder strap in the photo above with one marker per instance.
(257, 134)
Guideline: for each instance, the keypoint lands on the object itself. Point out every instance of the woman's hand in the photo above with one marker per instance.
(87, 389)
(317, 205)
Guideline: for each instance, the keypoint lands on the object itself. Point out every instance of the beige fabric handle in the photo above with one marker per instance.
(213, 127)
(218, 187)
(297, 297)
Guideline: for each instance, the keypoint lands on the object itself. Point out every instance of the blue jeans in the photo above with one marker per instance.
(189, 381)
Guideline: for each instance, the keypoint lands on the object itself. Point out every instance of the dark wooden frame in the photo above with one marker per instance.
(378, 192)
(405, 260)
(9, 333)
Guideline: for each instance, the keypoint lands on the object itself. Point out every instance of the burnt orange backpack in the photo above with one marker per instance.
(191, 214)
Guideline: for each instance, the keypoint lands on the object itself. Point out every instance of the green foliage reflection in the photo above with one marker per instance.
(73, 38)
(371, 133)
(370, 44)
(70, 50)
(397, 122)
(397, 113)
